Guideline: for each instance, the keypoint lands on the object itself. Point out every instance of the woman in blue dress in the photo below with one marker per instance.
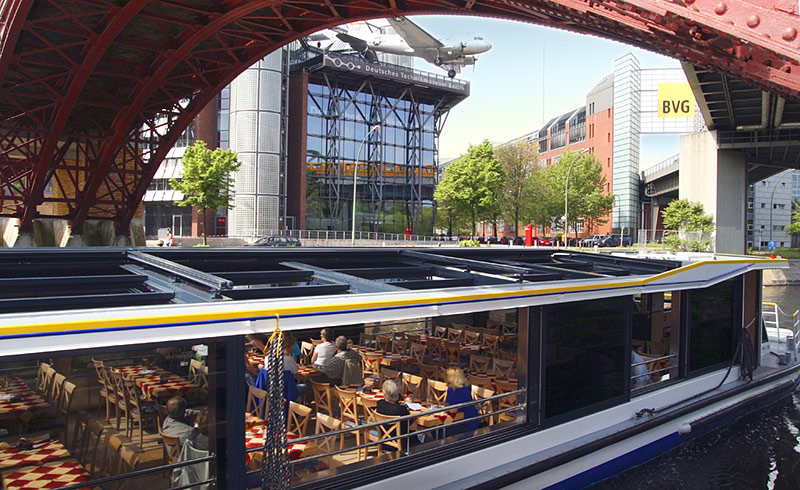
(458, 391)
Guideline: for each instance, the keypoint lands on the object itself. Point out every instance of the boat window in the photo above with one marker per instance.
(110, 413)
(655, 338)
(711, 327)
(586, 362)
(416, 367)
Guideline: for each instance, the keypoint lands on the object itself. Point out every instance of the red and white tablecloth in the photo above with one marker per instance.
(139, 370)
(50, 451)
(55, 474)
(254, 438)
(29, 403)
(153, 387)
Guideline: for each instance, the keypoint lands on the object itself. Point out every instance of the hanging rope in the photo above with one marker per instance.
(275, 458)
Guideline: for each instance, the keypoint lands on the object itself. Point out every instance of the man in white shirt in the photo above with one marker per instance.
(325, 350)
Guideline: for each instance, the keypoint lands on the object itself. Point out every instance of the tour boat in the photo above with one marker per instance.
(614, 358)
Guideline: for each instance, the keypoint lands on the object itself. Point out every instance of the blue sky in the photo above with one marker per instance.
(506, 97)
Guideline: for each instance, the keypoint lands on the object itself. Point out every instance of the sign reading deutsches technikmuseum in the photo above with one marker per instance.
(394, 72)
(675, 100)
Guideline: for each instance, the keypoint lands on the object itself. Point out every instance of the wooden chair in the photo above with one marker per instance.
(389, 373)
(119, 394)
(483, 382)
(306, 351)
(472, 337)
(429, 371)
(452, 352)
(56, 387)
(171, 449)
(418, 351)
(348, 410)
(490, 342)
(485, 407)
(80, 441)
(128, 462)
(94, 459)
(398, 336)
(41, 377)
(323, 400)
(479, 363)
(437, 392)
(415, 385)
(316, 342)
(508, 401)
(414, 338)
(138, 411)
(504, 369)
(194, 370)
(299, 415)
(400, 346)
(328, 423)
(435, 348)
(366, 339)
(256, 402)
(383, 343)
(104, 383)
(388, 430)
(370, 364)
(508, 356)
(440, 331)
(509, 327)
(455, 334)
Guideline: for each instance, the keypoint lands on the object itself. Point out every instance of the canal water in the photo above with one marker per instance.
(761, 450)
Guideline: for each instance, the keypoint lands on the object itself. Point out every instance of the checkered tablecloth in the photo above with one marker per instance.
(50, 451)
(29, 403)
(255, 438)
(55, 474)
(15, 386)
(153, 387)
(390, 359)
(139, 370)
(303, 372)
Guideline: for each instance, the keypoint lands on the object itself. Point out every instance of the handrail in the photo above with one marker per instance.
(138, 473)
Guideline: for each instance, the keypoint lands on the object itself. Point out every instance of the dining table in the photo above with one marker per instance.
(424, 419)
(53, 474)
(254, 437)
(18, 401)
(42, 451)
(158, 383)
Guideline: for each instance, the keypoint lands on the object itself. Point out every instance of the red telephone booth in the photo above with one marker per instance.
(528, 235)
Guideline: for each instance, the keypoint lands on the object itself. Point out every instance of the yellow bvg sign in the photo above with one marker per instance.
(675, 100)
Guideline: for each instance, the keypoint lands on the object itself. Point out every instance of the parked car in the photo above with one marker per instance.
(592, 240)
(542, 241)
(614, 241)
(277, 241)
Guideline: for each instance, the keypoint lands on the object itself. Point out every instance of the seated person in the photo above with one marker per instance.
(344, 367)
(638, 373)
(257, 341)
(458, 391)
(325, 350)
(288, 338)
(180, 422)
(290, 366)
(391, 406)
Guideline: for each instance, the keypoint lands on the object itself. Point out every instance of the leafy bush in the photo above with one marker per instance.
(469, 243)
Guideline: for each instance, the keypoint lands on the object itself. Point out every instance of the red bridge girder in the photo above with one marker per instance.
(94, 94)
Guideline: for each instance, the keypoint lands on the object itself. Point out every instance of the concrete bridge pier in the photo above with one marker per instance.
(57, 233)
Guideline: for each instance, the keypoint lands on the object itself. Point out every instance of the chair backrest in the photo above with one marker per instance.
(256, 402)
(299, 415)
(400, 346)
(389, 373)
(348, 404)
(428, 371)
(370, 406)
(399, 335)
(366, 339)
(316, 342)
(482, 381)
(389, 429)
(439, 331)
(415, 385)
(98, 369)
(435, 347)
(328, 423)
(414, 338)
(195, 367)
(56, 386)
(94, 433)
(490, 342)
(454, 334)
(41, 377)
(479, 363)
(171, 447)
(453, 351)
(505, 386)
(472, 337)
(322, 396)
(509, 327)
(437, 392)
(384, 342)
(80, 444)
(371, 363)
(306, 350)
(504, 368)
(508, 356)
(132, 394)
(484, 407)
(418, 351)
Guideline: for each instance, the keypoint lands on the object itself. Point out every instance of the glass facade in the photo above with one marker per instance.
(627, 115)
(396, 172)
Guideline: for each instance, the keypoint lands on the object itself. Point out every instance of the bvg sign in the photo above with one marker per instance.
(675, 100)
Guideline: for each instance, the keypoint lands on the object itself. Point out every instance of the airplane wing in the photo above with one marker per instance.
(358, 44)
(415, 36)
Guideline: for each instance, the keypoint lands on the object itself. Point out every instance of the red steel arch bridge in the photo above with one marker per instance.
(93, 93)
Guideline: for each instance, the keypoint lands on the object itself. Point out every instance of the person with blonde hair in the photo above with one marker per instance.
(458, 391)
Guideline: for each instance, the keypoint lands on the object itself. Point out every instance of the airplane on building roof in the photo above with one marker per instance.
(412, 40)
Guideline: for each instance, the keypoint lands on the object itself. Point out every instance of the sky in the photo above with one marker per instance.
(506, 96)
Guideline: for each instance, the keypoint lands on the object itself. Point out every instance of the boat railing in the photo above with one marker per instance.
(364, 428)
(668, 362)
(770, 315)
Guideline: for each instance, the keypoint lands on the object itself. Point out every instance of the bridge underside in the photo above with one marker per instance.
(93, 93)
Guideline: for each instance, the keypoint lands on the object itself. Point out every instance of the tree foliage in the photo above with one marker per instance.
(522, 190)
(585, 193)
(692, 226)
(794, 226)
(472, 184)
(207, 179)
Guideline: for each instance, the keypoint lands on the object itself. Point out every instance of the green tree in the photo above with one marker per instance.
(473, 183)
(520, 161)
(586, 198)
(691, 226)
(207, 179)
(794, 227)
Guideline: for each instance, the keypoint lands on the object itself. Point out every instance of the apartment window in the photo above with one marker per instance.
(763, 205)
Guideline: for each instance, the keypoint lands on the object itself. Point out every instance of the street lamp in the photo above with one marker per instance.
(355, 175)
(770, 209)
(566, 201)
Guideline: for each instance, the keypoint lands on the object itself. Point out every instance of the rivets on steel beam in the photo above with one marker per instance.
(753, 21)
(790, 34)
(721, 8)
